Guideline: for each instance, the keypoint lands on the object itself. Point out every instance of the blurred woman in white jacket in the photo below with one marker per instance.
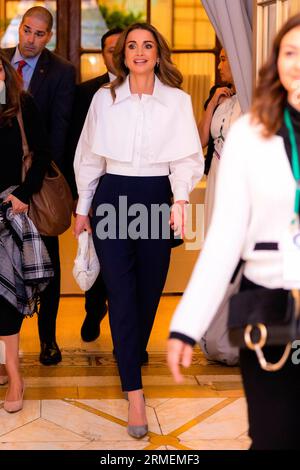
(254, 206)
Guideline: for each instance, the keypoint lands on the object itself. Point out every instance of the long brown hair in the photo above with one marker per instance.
(13, 91)
(166, 71)
(270, 96)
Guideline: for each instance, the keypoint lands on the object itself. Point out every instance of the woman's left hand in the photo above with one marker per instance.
(179, 353)
(18, 207)
(178, 217)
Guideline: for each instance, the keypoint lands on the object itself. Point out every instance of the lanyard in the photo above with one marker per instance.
(295, 157)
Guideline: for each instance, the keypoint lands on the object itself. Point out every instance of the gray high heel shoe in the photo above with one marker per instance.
(137, 431)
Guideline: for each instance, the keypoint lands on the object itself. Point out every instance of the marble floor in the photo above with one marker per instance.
(78, 405)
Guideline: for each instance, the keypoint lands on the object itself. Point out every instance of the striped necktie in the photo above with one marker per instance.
(21, 64)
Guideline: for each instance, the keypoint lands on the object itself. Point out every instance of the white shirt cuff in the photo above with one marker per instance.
(181, 193)
(83, 206)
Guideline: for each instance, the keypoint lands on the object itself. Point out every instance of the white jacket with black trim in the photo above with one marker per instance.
(254, 205)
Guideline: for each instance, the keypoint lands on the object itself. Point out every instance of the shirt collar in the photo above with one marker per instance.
(159, 93)
(112, 77)
(31, 61)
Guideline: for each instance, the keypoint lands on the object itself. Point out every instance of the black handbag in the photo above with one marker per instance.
(263, 317)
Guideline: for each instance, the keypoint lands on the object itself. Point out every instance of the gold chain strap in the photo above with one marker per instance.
(257, 347)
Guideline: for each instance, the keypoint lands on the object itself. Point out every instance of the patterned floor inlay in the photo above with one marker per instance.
(179, 424)
(86, 374)
(78, 404)
(104, 364)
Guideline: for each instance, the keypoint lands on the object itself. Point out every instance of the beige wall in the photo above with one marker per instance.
(294, 7)
(269, 15)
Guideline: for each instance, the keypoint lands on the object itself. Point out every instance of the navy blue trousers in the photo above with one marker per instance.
(95, 299)
(49, 298)
(134, 270)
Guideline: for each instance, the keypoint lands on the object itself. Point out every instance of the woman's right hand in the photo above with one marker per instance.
(82, 222)
(218, 97)
(221, 92)
(179, 353)
(18, 207)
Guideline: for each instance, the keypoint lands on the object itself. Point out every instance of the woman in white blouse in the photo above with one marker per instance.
(138, 149)
(256, 209)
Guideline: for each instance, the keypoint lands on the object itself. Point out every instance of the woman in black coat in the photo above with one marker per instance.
(13, 100)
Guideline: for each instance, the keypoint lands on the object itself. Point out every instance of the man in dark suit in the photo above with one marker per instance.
(51, 81)
(95, 298)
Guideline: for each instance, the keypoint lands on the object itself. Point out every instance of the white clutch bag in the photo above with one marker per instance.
(86, 264)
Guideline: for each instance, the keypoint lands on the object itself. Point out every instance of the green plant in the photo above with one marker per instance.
(118, 19)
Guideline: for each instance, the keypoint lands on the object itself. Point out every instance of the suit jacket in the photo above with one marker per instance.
(83, 97)
(53, 86)
(12, 151)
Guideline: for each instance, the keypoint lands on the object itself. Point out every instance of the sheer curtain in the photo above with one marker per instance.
(198, 70)
(232, 20)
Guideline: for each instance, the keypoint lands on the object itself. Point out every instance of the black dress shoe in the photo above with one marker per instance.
(50, 353)
(145, 357)
(90, 329)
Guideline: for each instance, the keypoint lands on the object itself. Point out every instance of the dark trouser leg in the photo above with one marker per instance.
(95, 306)
(95, 298)
(273, 401)
(50, 296)
(123, 261)
(120, 280)
(153, 259)
(134, 282)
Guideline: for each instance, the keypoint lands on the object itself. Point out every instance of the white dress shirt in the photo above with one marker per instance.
(112, 77)
(154, 135)
(254, 203)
